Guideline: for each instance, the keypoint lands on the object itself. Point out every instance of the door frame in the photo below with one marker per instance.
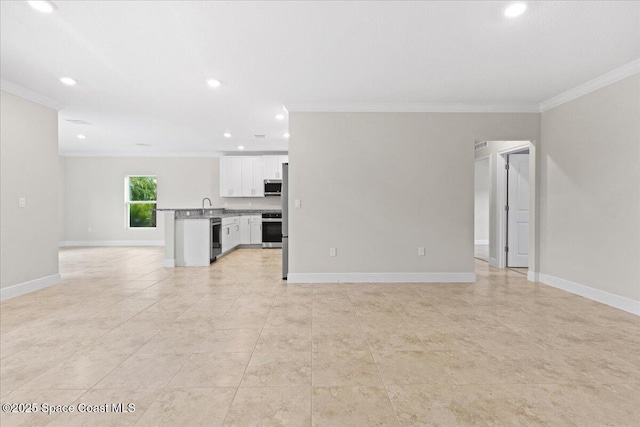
(476, 160)
(501, 201)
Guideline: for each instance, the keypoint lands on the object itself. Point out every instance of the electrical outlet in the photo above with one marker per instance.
(332, 252)
(22, 202)
(89, 229)
(298, 204)
(421, 251)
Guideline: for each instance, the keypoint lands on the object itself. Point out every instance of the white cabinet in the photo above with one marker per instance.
(230, 233)
(252, 177)
(273, 166)
(241, 176)
(230, 176)
(256, 229)
(245, 230)
(251, 230)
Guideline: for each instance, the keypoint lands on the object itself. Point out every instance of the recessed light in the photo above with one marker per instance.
(514, 10)
(142, 144)
(227, 135)
(213, 83)
(240, 147)
(68, 81)
(280, 116)
(286, 135)
(43, 6)
(81, 136)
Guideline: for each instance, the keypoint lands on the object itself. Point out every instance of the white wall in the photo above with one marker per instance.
(29, 168)
(379, 185)
(482, 187)
(95, 194)
(590, 191)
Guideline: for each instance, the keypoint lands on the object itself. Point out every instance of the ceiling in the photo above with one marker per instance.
(141, 66)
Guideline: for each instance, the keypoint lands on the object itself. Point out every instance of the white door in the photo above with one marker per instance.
(518, 210)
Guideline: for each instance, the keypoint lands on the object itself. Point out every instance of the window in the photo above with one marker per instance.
(141, 195)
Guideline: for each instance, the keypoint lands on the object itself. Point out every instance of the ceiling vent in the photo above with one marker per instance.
(78, 122)
(260, 136)
(480, 145)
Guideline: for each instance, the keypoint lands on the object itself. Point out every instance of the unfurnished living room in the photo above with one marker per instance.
(320, 213)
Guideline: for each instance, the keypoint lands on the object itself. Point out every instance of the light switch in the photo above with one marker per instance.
(298, 203)
(421, 251)
(22, 202)
(332, 252)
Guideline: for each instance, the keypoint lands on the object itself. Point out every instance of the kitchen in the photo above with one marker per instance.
(197, 237)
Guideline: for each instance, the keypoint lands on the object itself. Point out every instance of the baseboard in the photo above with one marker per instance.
(169, 263)
(616, 301)
(30, 286)
(533, 276)
(481, 242)
(381, 277)
(87, 243)
(493, 262)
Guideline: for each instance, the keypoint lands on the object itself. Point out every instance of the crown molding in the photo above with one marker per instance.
(409, 108)
(599, 82)
(25, 93)
(172, 154)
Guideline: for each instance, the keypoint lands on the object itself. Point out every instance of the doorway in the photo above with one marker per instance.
(495, 154)
(514, 207)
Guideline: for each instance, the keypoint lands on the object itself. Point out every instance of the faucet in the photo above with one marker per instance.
(210, 204)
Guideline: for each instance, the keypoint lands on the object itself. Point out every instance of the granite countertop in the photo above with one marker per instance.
(196, 213)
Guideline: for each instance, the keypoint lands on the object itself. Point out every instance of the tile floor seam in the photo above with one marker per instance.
(384, 383)
(224, 421)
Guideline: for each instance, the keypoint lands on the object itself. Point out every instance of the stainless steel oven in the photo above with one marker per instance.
(272, 230)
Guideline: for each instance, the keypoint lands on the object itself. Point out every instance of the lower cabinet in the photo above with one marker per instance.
(256, 229)
(230, 233)
(241, 230)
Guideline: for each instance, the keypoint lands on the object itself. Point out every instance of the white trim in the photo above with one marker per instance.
(30, 286)
(381, 277)
(481, 242)
(32, 96)
(533, 276)
(616, 301)
(169, 263)
(68, 243)
(599, 82)
(179, 154)
(411, 108)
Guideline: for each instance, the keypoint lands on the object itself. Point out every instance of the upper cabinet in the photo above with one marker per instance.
(231, 177)
(273, 166)
(243, 176)
(252, 177)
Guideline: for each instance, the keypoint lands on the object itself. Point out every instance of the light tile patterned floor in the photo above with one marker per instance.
(234, 345)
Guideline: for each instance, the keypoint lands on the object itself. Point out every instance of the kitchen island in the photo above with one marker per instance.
(189, 237)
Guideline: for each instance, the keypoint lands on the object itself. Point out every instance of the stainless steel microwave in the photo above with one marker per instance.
(272, 187)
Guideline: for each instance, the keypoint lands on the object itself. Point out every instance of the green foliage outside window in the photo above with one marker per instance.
(142, 189)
